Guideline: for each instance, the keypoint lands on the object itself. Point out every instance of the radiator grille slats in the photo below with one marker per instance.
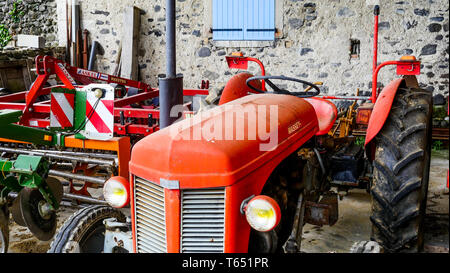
(149, 208)
(202, 220)
(150, 217)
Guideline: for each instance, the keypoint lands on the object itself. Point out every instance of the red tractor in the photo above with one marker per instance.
(246, 175)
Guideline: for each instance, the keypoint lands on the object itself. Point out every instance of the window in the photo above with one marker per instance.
(243, 20)
(355, 46)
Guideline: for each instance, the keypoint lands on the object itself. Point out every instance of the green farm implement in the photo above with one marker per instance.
(26, 191)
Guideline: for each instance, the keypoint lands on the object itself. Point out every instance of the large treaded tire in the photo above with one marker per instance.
(401, 172)
(85, 228)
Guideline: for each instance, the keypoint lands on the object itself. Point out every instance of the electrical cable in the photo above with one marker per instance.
(88, 117)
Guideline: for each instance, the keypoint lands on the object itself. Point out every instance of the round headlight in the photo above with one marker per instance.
(116, 192)
(262, 213)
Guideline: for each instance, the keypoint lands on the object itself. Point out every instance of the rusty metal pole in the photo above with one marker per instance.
(170, 87)
(293, 243)
(85, 48)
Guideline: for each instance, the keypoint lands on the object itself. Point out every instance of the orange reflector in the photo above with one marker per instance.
(408, 58)
(237, 54)
(47, 138)
(363, 116)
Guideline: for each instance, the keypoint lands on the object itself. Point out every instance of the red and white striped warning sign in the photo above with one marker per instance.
(100, 113)
(61, 110)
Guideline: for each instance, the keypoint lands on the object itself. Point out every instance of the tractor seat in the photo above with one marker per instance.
(326, 113)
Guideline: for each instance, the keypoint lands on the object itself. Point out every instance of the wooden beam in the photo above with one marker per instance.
(130, 45)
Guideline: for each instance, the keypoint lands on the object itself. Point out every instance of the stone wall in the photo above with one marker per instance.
(39, 19)
(13, 54)
(314, 44)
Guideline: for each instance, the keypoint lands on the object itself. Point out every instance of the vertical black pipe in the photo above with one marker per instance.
(170, 87)
(93, 55)
(171, 51)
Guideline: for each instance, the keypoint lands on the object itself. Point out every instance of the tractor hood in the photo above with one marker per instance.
(218, 147)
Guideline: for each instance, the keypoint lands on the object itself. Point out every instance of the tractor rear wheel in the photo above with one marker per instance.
(401, 171)
(84, 231)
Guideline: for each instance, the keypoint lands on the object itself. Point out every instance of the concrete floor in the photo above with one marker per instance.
(353, 224)
(354, 211)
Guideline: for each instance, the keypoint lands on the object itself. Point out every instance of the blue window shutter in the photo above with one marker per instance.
(259, 21)
(228, 20)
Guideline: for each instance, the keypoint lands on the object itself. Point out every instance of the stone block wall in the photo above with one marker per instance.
(314, 43)
(14, 54)
(39, 19)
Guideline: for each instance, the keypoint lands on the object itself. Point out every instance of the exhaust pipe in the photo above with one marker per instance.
(170, 87)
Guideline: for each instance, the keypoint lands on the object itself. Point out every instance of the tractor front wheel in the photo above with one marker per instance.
(401, 171)
(84, 231)
(4, 229)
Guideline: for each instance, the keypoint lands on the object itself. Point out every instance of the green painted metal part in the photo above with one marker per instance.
(13, 131)
(80, 112)
(32, 171)
(26, 171)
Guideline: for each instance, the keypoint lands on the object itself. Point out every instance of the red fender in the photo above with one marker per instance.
(381, 110)
(326, 113)
(237, 88)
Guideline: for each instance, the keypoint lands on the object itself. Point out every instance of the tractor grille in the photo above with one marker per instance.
(202, 220)
(150, 217)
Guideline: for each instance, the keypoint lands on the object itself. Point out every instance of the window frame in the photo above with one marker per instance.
(207, 28)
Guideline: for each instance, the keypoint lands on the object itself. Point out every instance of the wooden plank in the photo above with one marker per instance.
(15, 75)
(2, 78)
(26, 77)
(130, 46)
(8, 64)
(118, 61)
(30, 65)
(16, 85)
(14, 72)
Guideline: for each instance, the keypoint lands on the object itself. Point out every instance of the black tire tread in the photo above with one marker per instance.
(400, 179)
(392, 145)
(76, 225)
(410, 131)
(392, 180)
(397, 121)
(407, 159)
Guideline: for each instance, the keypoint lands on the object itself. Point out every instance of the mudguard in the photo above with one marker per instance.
(326, 113)
(237, 88)
(381, 110)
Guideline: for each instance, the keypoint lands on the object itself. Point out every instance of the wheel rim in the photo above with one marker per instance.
(42, 227)
(93, 241)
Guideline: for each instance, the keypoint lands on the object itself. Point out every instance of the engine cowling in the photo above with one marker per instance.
(176, 152)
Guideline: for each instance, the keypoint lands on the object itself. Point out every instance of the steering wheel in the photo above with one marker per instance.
(278, 90)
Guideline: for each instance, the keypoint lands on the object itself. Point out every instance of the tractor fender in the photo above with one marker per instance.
(381, 110)
(237, 88)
